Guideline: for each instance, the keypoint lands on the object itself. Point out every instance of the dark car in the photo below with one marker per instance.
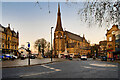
(70, 58)
(103, 58)
(32, 56)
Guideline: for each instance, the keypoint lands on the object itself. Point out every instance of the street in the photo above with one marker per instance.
(66, 69)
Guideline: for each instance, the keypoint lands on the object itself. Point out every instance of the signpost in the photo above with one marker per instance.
(29, 53)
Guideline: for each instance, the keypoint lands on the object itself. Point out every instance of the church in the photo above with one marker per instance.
(68, 43)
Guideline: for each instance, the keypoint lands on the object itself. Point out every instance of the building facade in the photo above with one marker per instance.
(111, 41)
(95, 50)
(103, 48)
(117, 44)
(68, 43)
(9, 40)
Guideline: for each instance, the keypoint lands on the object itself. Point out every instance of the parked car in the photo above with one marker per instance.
(70, 58)
(6, 57)
(3, 57)
(103, 58)
(23, 56)
(94, 58)
(15, 57)
(32, 56)
(84, 57)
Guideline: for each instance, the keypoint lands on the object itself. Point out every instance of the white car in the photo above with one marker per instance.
(15, 57)
(84, 57)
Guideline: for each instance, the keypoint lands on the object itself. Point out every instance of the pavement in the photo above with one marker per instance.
(108, 60)
(75, 68)
(24, 63)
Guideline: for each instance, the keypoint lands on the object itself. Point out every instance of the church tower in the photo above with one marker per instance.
(59, 41)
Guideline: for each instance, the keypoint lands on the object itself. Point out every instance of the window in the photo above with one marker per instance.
(110, 38)
(8, 46)
(15, 47)
(56, 36)
(59, 34)
(0, 45)
(118, 37)
(3, 37)
(65, 36)
(3, 45)
(8, 38)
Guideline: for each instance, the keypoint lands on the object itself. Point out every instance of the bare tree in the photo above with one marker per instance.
(43, 44)
(97, 11)
(101, 12)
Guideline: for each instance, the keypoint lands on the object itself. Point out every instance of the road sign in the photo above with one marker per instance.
(28, 45)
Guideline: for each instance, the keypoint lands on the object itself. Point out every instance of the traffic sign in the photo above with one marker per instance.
(28, 45)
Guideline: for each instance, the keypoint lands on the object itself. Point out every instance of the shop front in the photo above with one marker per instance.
(109, 54)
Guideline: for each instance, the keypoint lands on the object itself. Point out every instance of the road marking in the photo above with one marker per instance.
(86, 67)
(50, 68)
(45, 66)
(33, 74)
(104, 65)
(57, 70)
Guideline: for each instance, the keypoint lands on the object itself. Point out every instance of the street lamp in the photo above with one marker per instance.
(39, 48)
(51, 42)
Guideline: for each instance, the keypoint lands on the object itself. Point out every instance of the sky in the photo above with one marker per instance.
(33, 21)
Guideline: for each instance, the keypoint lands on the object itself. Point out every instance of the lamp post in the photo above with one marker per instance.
(51, 42)
(39, 48)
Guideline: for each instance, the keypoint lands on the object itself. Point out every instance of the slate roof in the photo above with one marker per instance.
(73, 36)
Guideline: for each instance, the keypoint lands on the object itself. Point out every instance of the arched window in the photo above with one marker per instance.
(110, 38)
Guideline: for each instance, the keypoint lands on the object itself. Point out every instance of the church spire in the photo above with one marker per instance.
(59, 23)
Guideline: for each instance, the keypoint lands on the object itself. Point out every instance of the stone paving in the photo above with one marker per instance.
(19, 62)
